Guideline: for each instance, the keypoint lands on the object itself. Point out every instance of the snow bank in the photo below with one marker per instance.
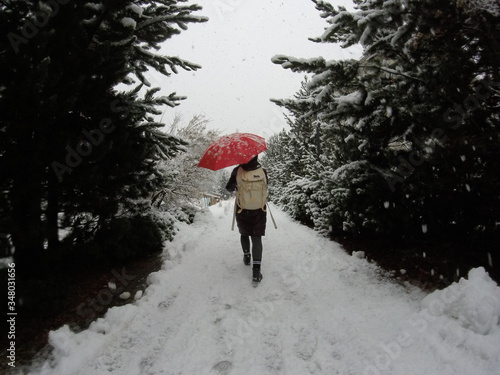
(71, 349)
(473, 302)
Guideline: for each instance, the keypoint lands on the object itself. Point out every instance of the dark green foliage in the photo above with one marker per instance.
(77, 150)
(408, 133)
(126, 238)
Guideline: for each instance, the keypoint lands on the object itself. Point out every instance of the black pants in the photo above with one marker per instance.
(256, 248)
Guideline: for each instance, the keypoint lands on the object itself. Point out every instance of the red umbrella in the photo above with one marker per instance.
(233, 149)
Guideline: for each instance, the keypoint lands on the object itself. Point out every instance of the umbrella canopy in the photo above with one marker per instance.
(233, 149)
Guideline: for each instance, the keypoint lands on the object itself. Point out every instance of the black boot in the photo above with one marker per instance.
(247, 258)
(257, 276)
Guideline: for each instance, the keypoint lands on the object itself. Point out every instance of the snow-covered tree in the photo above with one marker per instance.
(72, 142)
(277, 163)
(411, 128)
(290, 156)
(186, 180)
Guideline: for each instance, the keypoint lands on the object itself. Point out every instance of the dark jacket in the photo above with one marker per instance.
(250, 166)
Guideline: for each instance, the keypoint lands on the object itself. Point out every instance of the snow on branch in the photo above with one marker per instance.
(136, 9)
(358, 164)
(489, 6)
(159, 62)
(171, 100)
(128, 22)
(124, 42)
(300, 65)
(172, 18)
(391, 71)
(174, 61)
(354, 99)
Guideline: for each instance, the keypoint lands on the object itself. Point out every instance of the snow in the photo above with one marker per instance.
(125, 295)
(358, 254)
(474, 303)
(129, 22)
(317, 311)
(298, 64)
(4, 262)
(138, 295)
(318, 79)
(136, 9)
(95, 7)
(491, 6)
(366, 34)
(349, 100)
(349, 137)
(339, 172)
(362, 145)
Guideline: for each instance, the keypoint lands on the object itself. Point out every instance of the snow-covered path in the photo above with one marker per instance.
(317, 311)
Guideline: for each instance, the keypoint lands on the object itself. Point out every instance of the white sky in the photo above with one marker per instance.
(234, 48)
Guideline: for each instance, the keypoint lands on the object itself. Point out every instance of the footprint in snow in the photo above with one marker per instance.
(273, 350)
(221, 368)
(306, 344)
(164, 305)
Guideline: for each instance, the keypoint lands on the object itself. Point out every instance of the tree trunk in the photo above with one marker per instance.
(27, 233)
(26, 198)
(52, 213)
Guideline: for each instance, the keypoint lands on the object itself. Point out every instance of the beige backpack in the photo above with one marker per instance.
(252, 189)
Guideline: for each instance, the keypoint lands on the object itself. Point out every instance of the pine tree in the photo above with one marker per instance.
(74, 143)
(296, 151)
(412, 125)
(275, 161)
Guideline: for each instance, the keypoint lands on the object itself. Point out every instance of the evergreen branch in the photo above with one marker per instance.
(171, 19)
(391, 71)
(299, 65)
